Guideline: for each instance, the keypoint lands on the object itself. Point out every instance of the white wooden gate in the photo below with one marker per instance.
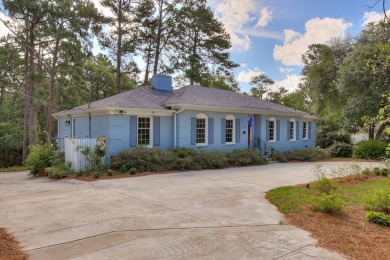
(74, 156)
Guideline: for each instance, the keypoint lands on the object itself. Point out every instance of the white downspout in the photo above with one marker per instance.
(174, 125)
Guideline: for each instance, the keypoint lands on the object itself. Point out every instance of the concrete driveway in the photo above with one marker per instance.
(216, 214)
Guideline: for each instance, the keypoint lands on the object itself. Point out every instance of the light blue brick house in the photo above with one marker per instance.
(190, 117)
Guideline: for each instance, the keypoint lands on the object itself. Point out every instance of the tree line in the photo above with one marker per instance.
(47, 63)
(346, 83)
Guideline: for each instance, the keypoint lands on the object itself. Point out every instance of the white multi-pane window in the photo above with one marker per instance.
(305, 130)
(230, 126)
(272, 130)
(201, 129)
(143, 130)
(292, 129)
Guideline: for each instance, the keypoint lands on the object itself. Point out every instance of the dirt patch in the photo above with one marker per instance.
(347, 232)
(9, 247)
(116, 175)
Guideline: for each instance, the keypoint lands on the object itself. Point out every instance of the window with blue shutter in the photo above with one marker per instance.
(238, 131)
(133, 131)
(156, 131)
(211, 131)
(223, 131)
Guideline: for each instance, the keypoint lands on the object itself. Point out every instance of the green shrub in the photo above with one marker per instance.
(329, 133)
(133, 171)
(109, 172)
(40, 157)
(371, 150)
(96, 175)
(343, 150)
(379, 201)
(327, 203)
(325, 185)
(79, 173)
(384, 172)
(378, 218)
(244, 157)
(144, 159)
(58, 171)
(155, 159)
(307, 154)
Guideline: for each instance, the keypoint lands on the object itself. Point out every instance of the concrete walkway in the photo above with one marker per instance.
(216, 214)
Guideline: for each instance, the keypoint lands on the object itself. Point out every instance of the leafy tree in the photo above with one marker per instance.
(121, 38)
(277, 96)
(320, 76)
(365, 78)
(262, 85)
(203, 43)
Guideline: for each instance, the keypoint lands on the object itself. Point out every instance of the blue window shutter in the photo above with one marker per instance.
(223, 131)
(309, 130)
(277, 130)
(238, 130)
(211, 131)
(288, 130)
(267, 130)
(297, 130)
(193, 130)
(156, 131)
(133, 131)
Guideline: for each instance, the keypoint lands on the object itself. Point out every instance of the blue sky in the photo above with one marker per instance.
(270, 36)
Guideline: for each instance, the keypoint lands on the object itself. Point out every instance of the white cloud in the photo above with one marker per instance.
(374, 17)
(238, 17)
(318, 31)
(286, 70)
(3, 29)
(247, 75)
(265, 17)
(290, 83)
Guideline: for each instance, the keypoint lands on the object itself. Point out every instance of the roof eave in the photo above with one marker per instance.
(112, 111)
(236, 109)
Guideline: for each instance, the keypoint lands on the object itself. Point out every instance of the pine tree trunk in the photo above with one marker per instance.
(51, 98)
(119, 53)
(30, 84)
(148, 58)
(26, 103)
(158, 39)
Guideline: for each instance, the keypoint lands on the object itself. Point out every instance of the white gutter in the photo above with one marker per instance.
(174, 125)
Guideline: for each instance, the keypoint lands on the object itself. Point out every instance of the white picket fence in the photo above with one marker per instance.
(74, 156)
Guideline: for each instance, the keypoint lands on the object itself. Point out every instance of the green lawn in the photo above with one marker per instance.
(291, 198)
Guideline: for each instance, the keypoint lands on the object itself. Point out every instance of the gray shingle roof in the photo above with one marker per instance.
(148, 98)
(202, 96)
(144, 98)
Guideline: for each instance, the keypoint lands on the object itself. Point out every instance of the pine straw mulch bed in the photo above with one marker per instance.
(347, 232)
(9, 247)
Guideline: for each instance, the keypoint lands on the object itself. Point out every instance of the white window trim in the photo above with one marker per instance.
(73, 127)
(150, 131)
(307, 130)
(203, 116)
(231, 117)
(292, 120)
(273, 119)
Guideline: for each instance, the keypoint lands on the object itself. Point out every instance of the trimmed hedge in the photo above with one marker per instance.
(141, 159)
(372, 149)
(307, 154)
